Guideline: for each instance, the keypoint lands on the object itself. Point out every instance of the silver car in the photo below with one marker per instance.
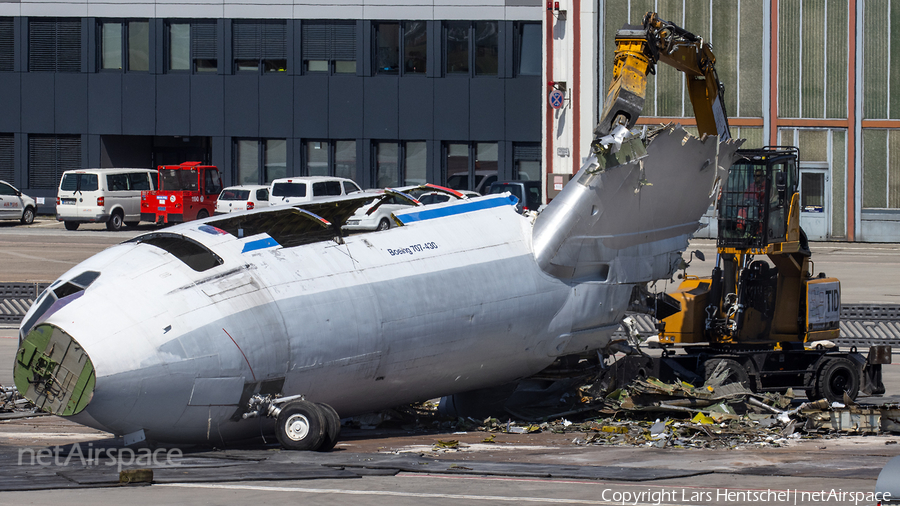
(15, 205)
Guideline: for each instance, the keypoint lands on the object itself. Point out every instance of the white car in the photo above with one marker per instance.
(15, 205)
(242, 198)
(382, 217)
(111, 196)
(296, 190)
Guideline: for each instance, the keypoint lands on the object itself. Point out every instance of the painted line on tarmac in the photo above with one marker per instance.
(23, 255)
(390, 493)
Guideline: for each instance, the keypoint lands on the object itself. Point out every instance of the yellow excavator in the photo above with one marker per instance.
(767, 320)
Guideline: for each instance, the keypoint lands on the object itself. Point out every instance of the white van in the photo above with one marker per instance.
(111, 196)
(294, 190)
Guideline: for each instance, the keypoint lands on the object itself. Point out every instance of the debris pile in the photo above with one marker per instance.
(12, 402)
(650, 412)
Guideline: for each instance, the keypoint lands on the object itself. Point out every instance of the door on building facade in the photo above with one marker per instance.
(814, 204)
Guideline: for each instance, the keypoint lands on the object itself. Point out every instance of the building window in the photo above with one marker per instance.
(471, 166)
(260, 160)
(456, 40)
(124, 45)
(329, 158)
(54, 45)
(193, 46)
(260, 46)
(881, 169)
(329, 46)
(485, 47)
(527, 161)
(7, 45)
(528, 49)
(400, 163)
(406, 38)
(7, 158)
(49, 156)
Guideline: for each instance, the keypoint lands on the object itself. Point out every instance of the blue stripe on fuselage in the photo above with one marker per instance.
(430, 213)
(267, 242)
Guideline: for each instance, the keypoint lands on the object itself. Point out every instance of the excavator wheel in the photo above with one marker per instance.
(736, 374)
(836, 376)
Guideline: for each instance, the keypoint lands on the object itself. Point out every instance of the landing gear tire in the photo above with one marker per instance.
(71, 225)
(384, 224)
(837, 375)
(332, 427)
(28, 216)
(736, 372)
(115, 222)
(300, 426)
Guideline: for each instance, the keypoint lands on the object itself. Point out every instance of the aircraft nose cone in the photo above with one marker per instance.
(53, 371)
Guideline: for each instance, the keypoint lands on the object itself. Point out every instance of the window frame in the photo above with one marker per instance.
(262, 176)
(402, 48)
(331, 157)
(471, 48)
(125, 56)
(191, 46)
(472, 161)
(401, 161)
(330, 47)
(262, 68)
(517, 48)
(7, 43)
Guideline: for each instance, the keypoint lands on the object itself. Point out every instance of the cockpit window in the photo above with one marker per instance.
(51, 300)
(189, 251)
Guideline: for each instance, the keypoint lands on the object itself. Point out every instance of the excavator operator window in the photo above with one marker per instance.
(742, 208)
(777, 203)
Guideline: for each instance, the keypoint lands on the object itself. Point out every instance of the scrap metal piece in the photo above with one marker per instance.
(594, 224)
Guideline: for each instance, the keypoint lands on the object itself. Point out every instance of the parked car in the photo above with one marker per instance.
(111, 196)
(294, 190)
(382, 217)
(528, 193)
(15, 205)
(483, 180)
(242, 198)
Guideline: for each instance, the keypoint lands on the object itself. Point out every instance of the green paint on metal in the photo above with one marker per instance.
(54, 372)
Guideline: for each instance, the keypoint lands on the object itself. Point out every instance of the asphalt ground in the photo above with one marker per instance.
(403, 467)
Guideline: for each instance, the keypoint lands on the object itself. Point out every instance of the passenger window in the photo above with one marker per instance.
(262, 194)
(350, 187)
(139, 181)
(332, 187)
(6, 190)
(117, 182)
(319, 189)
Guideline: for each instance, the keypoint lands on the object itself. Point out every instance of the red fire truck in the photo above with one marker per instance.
(185, 192)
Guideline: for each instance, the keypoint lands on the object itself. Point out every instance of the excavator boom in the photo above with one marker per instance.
(638, 50)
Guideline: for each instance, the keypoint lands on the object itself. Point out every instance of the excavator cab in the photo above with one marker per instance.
(755, 201)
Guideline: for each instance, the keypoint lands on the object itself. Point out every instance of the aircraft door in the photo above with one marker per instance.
(814, 204)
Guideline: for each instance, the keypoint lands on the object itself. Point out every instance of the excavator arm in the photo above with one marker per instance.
(638, 49)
